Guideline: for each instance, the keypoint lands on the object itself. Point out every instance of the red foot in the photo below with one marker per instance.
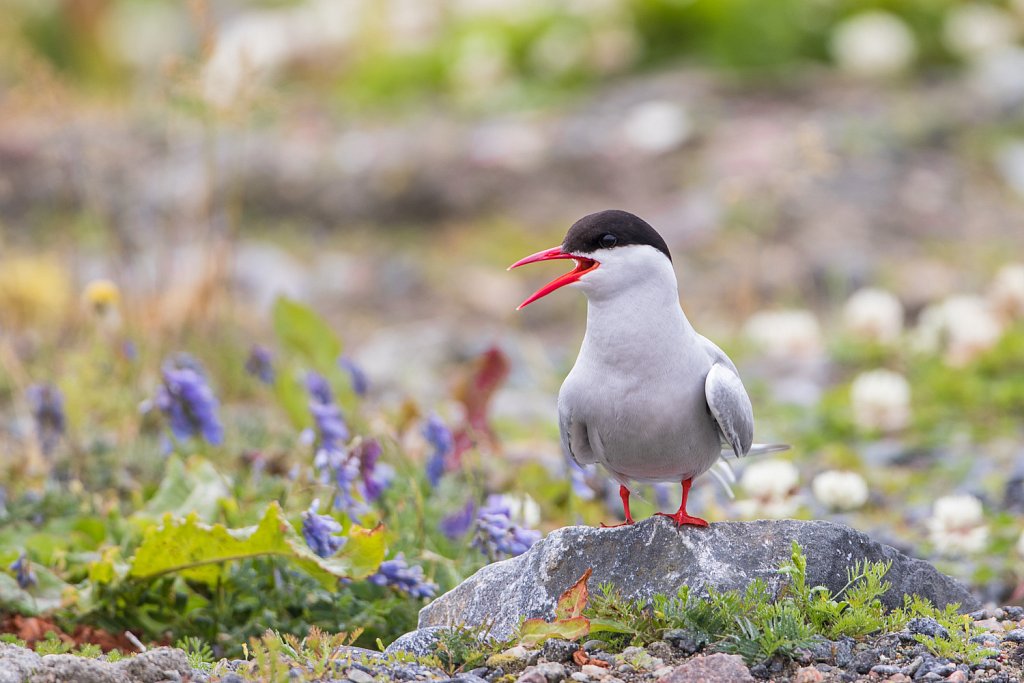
(681, 518)
(624, 495)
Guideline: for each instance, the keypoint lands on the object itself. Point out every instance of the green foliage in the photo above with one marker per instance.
(12, 639)
(52, 645)
(273, 655)
(199, 652)
(305, 334)
(198, 552)
(460, 648)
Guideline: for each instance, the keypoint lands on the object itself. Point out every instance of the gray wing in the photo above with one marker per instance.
(728, 401)
(575, 439)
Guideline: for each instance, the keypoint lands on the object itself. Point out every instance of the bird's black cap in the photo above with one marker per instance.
(610, 229)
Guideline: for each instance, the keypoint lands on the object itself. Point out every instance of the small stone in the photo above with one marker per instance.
(1014, 636)
(357, 676)
(988, 625)
(593, 645)
(593, 670)
(580, 676)
(638, 658)
(957, 676)
(625, 668)
(664, 670)
(885, 669)
(808, 674)
(986, 639)
(898, 678)
(507, 661)
(863, 662)
(531, 675)
(659, 649)
(934, 665)
(715, 668)
(926, 626)
(914, 666)
(557, 650)
(1014, 612)
(987, 665)
(685, 641)
(603, 657)
(553, 672)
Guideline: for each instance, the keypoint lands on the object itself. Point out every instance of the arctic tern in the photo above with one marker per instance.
(649, 398)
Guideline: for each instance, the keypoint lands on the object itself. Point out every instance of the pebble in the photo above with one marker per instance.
(1014, 636)
(808, 674)
(926, 626)
(685, 641)
(1014, 612)
(863, 662)
(358, 676)
(556, 650)
(593, 670)
(553, 672)
(885, 669)
(593, 645)
(957, 676)
(580, 676)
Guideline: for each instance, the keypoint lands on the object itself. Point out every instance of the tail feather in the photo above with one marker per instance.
(758, 449)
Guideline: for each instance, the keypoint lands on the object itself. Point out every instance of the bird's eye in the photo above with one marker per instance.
(609, 240)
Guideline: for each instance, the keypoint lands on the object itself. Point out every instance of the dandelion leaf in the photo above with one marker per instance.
(305, 333)
(186, 489)
(199, 552)
(536, 631)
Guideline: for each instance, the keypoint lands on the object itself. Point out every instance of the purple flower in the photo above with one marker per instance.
(260, 363)
(332, 432)
(23, 572)
(186, 399)
(319, 531)
(442, 442)
(456, 525)
(47, 406)
(399, 575)
(497, 535)
(360, 383)
(376, 476)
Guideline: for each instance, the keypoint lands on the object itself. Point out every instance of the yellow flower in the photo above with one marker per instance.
(101, 296)
(33, 290)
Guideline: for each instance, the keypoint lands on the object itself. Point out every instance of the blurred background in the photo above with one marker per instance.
(840, 182)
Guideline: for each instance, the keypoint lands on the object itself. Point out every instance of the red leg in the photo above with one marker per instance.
(680, 517)
(624, 495)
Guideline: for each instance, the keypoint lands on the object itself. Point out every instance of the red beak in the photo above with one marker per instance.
(583, 266)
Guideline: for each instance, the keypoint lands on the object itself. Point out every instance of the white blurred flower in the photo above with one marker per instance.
(957, 525)
(874, 315)
(996, 77)
(973, 29)
(770, 487)
(1007, 291)
(657, 126)
(873, 43)
(790, 333)
(523, 509)
(1009, 160)
(961, 327)
(880, 400)
(840, 490)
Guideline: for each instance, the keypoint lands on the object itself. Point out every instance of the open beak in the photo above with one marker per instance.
(583, 266)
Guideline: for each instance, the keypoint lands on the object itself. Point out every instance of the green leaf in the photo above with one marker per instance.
(536, 631)
(292, 396)
(47, 595)
(198, 552)
(598, 624)
(306, 334)
(186, 489)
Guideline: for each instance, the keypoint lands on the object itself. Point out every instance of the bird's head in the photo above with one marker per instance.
(614, 252)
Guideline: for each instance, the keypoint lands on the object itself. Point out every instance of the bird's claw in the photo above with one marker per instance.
(683, 519)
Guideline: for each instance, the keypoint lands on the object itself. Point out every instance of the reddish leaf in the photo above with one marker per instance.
(580, 657)
(475, 393)
(574, 599)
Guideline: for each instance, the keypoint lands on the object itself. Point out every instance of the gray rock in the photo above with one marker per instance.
(885, 669)
(557, 650)
(17, 663)
(684, 640)
(553, 672)
(716, 668)
(67, 668)
(1014, 636)
(419, 643)
(726, 555)
(156, 666)
(926, 626)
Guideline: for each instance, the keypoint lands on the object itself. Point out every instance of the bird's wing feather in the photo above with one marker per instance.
(730, 407)
(575, 440)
